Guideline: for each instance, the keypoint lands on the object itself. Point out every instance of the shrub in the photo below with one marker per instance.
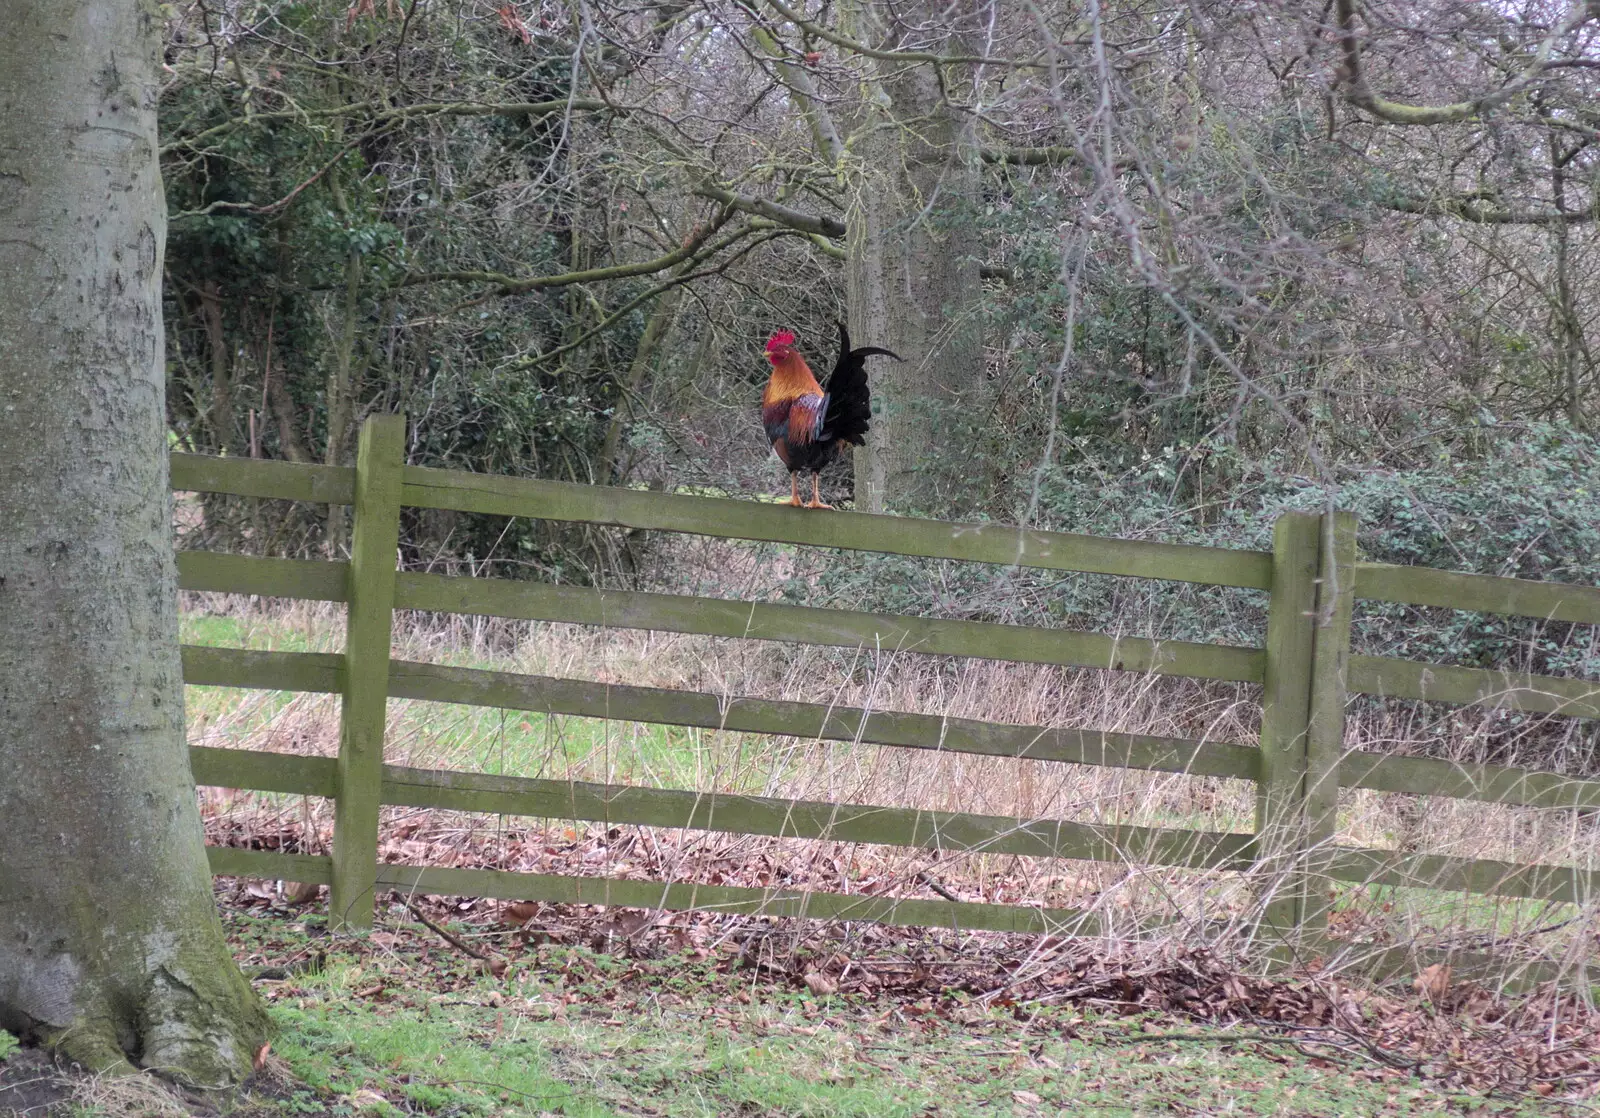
(1528, 506)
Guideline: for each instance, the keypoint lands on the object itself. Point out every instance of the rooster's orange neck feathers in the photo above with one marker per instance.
(791, 371)
(791, 376)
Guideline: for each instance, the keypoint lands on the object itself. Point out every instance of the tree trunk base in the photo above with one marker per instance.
(201, 1033)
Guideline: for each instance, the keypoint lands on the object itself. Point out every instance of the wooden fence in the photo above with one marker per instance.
(1299, 765)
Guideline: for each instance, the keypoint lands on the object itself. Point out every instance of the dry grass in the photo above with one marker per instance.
(138, 1095)
(1123, 895)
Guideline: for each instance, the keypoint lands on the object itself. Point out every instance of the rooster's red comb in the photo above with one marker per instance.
(783, 339)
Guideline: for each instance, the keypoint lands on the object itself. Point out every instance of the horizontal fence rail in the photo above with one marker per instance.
(1406, 679)
(1378, 963)
(321, 672)
(1423, 586)
(671, 613)
(727, 813)
(747, 520)
(310, 580)
(671, 896)
(614, 804)
(893, 535)
(255, 477)
(1371, 675)
(981, 543)
(719, 617)
(951, 832)
(1299, 764)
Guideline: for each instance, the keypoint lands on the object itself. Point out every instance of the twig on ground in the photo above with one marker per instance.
(929, 881)
(495, 964)
(1350, 1040)
(309, 965)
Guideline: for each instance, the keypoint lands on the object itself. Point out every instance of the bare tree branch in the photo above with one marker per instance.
(858, 47)
(271, 207)
(823, 129)
(377, 111)
(774, 211)
(1359, 92)
(688, 274)
(1469, 210)
(1029, 157)
(513, 285)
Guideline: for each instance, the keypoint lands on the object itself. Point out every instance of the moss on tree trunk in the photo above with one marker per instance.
(110, 946)
(913, 269)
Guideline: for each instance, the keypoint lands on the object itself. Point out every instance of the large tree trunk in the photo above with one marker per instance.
(913, 269)
(110, 946)
(1570, 347)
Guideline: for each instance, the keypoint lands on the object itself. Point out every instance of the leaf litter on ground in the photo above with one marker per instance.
(915, 993)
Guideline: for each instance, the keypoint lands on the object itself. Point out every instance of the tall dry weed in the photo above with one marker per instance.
(1125, 897)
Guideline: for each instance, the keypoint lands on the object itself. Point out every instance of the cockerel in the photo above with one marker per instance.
(805, 422)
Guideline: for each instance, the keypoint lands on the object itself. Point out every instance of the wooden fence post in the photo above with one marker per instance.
(1302, 723)
(375, 540)
(1285, 720)
(1330, 660)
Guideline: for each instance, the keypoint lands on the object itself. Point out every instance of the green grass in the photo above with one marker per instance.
(526, 743)
(1460, 914)
(406, 1026)
(478, 739)
(232, 718)
(245, 632)
(433, 1062)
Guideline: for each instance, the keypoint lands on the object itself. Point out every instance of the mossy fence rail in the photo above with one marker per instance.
(1299, 764)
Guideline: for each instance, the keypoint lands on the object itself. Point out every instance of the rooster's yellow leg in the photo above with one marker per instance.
(816, 501)
(794, 490)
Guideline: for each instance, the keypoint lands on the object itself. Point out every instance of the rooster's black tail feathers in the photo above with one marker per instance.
(849, 412)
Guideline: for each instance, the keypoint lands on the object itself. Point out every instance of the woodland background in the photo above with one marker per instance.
(1159, 270)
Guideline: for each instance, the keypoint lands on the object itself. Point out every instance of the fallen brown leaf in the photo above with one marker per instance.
(1434, 982)
(820, 984)
(519, 913)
